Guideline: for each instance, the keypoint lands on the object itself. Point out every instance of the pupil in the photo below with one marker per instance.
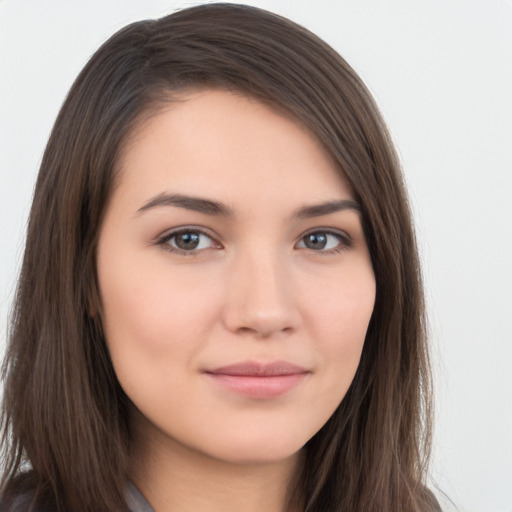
(187, 241)
(316, 241)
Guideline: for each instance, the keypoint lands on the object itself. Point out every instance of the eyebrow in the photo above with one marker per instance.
(197, 204)
(317, 210)
(218, 209)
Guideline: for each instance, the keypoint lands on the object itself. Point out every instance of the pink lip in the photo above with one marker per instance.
(257, 380)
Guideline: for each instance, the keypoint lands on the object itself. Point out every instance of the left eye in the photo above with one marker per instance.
(188, 241)
(323, 241)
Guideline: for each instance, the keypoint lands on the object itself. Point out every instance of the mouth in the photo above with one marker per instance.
(260, 381)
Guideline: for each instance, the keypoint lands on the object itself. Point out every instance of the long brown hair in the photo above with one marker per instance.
(64, 412)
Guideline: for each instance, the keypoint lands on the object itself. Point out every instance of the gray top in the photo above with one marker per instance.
(136, 501)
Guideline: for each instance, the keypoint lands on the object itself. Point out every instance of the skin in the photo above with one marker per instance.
(252, 290)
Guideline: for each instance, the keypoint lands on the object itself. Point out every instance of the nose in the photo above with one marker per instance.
(260, 297)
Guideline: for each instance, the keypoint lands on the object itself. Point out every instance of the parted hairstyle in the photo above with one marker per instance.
(65, 422)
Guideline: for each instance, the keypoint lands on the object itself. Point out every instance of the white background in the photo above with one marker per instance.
(441, 70)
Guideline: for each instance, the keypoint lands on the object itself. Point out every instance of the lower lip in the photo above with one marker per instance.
(270, 386)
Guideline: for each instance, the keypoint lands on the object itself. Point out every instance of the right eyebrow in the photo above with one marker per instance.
(197, 204)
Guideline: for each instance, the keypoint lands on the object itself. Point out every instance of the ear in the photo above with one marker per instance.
(92, 296)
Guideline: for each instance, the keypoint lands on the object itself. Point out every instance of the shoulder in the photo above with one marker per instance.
(135, 500)
(19, 496)
(22, 503)
(430, 500)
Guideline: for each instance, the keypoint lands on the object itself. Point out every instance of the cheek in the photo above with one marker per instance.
(152, 319)
(339, 316)
(341, 304)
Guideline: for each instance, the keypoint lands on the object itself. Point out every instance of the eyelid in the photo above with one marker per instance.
(163, 238)
(345, 239)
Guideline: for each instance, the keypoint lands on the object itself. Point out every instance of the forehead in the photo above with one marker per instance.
(228, 146)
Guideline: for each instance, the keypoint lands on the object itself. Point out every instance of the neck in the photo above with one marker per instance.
(175, 478)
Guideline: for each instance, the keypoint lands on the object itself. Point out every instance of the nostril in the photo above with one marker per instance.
(265, 331)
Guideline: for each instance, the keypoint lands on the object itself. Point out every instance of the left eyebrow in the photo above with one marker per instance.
(317, 210)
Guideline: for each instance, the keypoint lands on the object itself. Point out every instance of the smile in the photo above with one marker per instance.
(261, 381)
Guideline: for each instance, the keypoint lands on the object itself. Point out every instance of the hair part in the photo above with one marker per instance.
(64, 411)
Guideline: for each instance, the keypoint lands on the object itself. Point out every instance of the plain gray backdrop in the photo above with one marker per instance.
(441, 71)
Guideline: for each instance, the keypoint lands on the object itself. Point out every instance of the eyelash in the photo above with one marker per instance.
(345, 242)
(165, 239)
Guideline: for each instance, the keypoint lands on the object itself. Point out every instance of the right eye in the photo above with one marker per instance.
(187, 241)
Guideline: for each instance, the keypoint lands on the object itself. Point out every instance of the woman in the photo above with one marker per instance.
(220, 304)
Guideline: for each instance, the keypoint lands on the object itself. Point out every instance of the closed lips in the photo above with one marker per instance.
(250, 369)
(258, 381)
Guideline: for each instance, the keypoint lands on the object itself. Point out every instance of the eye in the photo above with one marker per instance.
(324, 241)
(187, 241)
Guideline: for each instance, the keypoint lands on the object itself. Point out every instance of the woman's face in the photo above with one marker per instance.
(235, 279)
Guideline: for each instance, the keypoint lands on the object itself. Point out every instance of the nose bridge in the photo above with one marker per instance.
(260, 296)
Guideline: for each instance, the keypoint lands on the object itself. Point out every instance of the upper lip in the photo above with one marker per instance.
(255, 369)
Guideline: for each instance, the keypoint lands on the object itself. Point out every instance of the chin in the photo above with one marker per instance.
(256, 451)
